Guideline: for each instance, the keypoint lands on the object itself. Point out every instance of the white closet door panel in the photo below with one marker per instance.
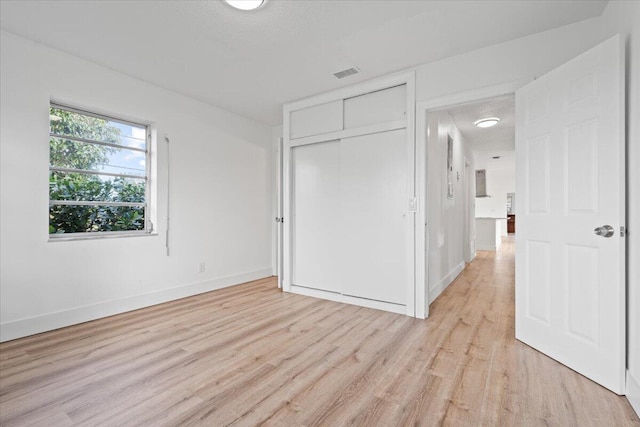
(374, 214)
(382, 106)
(316, 120)
(316, 204)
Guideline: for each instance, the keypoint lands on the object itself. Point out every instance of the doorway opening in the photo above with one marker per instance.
(570, 268)
(471, 215)
(511, 214)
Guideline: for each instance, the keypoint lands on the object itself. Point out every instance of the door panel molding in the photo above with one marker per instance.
(570, 164)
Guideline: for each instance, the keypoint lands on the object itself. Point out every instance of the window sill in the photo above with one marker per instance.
(99, 235)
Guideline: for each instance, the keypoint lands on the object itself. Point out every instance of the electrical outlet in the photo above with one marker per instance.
(201, 267)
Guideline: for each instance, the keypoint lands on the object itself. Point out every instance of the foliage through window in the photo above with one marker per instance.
(98, 179)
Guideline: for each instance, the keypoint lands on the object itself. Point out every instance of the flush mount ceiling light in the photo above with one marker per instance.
(487, 123)
(246, 4)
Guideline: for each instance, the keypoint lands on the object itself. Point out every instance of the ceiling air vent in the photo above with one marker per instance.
(346, 73)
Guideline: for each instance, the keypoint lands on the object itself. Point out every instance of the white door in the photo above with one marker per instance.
(570, 163)
(350, 217)
(374, 217)
(316, 213)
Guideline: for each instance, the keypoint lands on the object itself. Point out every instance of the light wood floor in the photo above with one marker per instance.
(250, 354)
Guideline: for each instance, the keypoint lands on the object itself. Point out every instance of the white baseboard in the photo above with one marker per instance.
(346, 299)
(471, 257)
(48, 322)
(436, 290)
(633, 392)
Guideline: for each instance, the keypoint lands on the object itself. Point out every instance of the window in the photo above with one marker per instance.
(98, 174)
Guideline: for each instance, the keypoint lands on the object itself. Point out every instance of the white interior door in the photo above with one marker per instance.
(375, 216)
(570, 158)
(350, 217)
(316, 216)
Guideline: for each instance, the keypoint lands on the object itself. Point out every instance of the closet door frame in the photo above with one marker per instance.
(414, 219)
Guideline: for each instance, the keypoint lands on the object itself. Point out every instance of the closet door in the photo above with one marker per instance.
(316, 207)
(373, 193)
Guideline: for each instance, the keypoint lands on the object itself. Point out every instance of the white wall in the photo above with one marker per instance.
(445, 217)
(220, 197)
(513, 61)
(624, 18)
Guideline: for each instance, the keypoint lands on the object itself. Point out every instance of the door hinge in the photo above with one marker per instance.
(623, 231)
(280, 219)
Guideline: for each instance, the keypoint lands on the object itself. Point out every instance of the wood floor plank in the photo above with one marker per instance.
(252, 355)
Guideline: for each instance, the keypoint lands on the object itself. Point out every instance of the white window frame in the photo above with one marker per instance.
(148, 224)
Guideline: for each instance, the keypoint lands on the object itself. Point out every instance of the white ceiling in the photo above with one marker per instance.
(500, 137)
(253, 62)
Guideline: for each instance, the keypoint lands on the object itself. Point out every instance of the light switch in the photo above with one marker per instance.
(413, 204)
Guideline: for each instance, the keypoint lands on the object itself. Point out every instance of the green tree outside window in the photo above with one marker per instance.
(74, 145)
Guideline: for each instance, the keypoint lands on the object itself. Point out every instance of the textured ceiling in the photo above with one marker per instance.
(253, 62)
(500, 137)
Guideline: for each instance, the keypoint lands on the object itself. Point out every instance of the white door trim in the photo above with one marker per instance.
(470, 96)
(466, 241)
(279, 154)
(422, 244)
(275, 196)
